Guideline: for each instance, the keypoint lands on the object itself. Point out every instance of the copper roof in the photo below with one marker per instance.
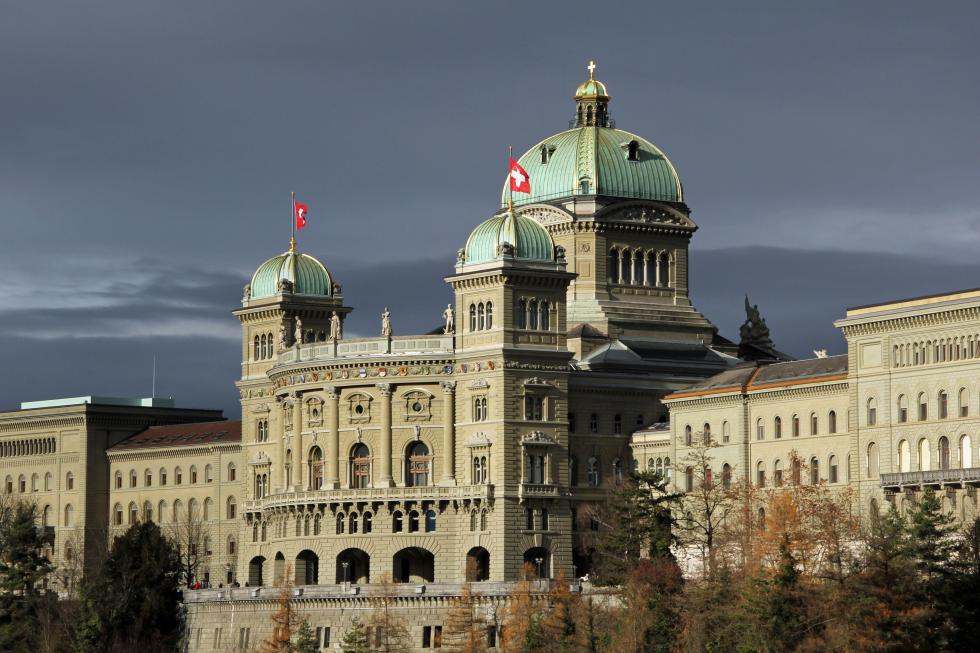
(749, 378)
(183, 435)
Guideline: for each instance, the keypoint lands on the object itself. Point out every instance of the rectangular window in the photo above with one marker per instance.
(492, 636)
(594, 423)
(533, 408)
(426, 636)
(437, 637)
(571, 422)
(903, 415)
(833, 473)
(923, 412)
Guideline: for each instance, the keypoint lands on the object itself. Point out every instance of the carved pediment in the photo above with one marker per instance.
(538, 382)
(648, 214)
(478, 440)
(261, 458)
(479, 384)
(261, 409)
(537, 437)
(546, 214)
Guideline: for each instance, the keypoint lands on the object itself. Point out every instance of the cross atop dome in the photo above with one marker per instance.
(592, 99)
(591, 69)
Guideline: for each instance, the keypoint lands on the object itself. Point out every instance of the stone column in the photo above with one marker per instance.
(276, 421)
(333, 439)
(449, 433)
(298, 442)
(384, 479)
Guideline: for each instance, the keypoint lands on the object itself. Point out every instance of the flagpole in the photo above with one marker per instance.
(292, 222)
(510, 184)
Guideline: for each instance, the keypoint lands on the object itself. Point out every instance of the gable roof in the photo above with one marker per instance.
(755, 377)
(183, 435)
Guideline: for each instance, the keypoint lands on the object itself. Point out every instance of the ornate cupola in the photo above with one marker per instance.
(592, 100)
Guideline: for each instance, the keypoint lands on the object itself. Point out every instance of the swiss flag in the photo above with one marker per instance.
(299, 211)
(520, 182)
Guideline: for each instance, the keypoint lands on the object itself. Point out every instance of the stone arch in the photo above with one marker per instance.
(255, 568)
(358, 566)
(477, 564)
(414, 564)
(532, 557)
(307, 568)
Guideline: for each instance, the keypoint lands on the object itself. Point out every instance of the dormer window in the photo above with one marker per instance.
(633, 151)
(546, 152)
(584, 187)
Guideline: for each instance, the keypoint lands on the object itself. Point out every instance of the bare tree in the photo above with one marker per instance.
(188, 533)
(390, 634)
(706, 505)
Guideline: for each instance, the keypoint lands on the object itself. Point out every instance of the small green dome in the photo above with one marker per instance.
(308, 276)
(529, 240)
(591, 88)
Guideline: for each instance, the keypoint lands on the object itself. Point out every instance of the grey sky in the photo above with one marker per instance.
(147, 151)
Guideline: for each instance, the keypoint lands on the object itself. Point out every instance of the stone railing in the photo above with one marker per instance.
(368, 347)
(932, 477)
(357, 495)
(346, 590)
(542, 490)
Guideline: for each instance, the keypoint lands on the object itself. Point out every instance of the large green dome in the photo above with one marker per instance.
(508, 235)
(595, 158)
(308, 276)
(559, 164)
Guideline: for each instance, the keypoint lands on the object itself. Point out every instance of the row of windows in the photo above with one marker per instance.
(263, 347)
(162, 477)
(638, 268)
(944, 350)
(262, 430)
(533, 314)
(135, 513)
(542, 523)
(37, 446)
(617, 425)
(922, 407)
(923, 461)
(760, 428)
(481, 316)
(593, 471)
(35, 483)
(47, 516)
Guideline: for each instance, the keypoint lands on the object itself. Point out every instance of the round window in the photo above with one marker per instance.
(359, 409)
(417, 407)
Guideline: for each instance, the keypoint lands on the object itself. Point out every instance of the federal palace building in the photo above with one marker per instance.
(572, 353)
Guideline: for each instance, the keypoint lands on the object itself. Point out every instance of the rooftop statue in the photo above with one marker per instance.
(336, 329)
(450, 316)
(386, 323)
(754, 332)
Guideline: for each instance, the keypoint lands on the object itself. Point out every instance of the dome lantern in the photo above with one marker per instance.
(291, 273)
(592, 100)
(508, 236)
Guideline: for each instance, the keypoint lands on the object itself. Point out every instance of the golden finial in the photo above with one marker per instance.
(591, 69)
(292, 244)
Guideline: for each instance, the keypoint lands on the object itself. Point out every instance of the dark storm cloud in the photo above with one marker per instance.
(148, 150)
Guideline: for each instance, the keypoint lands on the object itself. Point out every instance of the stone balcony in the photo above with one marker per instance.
(539, 491)
(932, 477)
(357, 348)
(369, 495)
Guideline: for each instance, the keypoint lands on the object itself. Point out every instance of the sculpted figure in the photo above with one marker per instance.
(247, 292)
(336, 329)
(450, 316)
(282, 337)
(386, 323)
(298, 333)
(754, 330)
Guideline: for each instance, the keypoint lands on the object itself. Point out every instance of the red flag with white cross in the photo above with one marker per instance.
(520, 181)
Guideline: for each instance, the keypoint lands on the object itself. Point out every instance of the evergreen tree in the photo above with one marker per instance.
(355, 640)
(965, 612)
(23, 573)
(133, 603)
(785, 617)
(306, 639)
(934, 547)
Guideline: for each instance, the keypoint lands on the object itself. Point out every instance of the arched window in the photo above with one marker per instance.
(617, 423)
(208, 509)
(923, 407)
(341, 522)
(637, 279)
(133, 513)
(832, 422)
(522, 314)
(633, 151)
(352, 523)
(964, 403)
(147, 511)
(943, 401)
(613, 265)
(231, 472)
(472, 317)
(760, 474)
(814, 471)
(903, 408)
(726, 476)
(316, 468)
(162, 475)
(944, 452)
(418, 465)
(904, 456)
(777, 473)
(688, 479)
(69, 481)
(257, 351)
(366, 522)
(208, 474)
(761, 519)
(650, 270)
(760, 430)
(147, 478)
(162, 511)
(532, 314)
(726, 432)
(430, 521)
(117, 515)
(663, 270)
(360, 466)
(193, 479)
(132, 478)
(413, 521)
(872, 460)
(777, 427)
(668, 470)
(617, 471)
(625, 263)
(813, 424)
(177, 513)
(593, 472)
(924, 462)
(481, 317)
(688, 436)
(545, 316)
(594, 423)
(833, 468)
(872, 415)
(489, 315)
(706, 433)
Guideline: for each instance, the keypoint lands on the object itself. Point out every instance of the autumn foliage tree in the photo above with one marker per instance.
(465, 626)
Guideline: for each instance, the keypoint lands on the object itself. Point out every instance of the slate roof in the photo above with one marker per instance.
(747, 378)
(183, 435)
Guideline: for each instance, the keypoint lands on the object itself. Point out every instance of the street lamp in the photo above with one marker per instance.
(345, 565)
(538, 561)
